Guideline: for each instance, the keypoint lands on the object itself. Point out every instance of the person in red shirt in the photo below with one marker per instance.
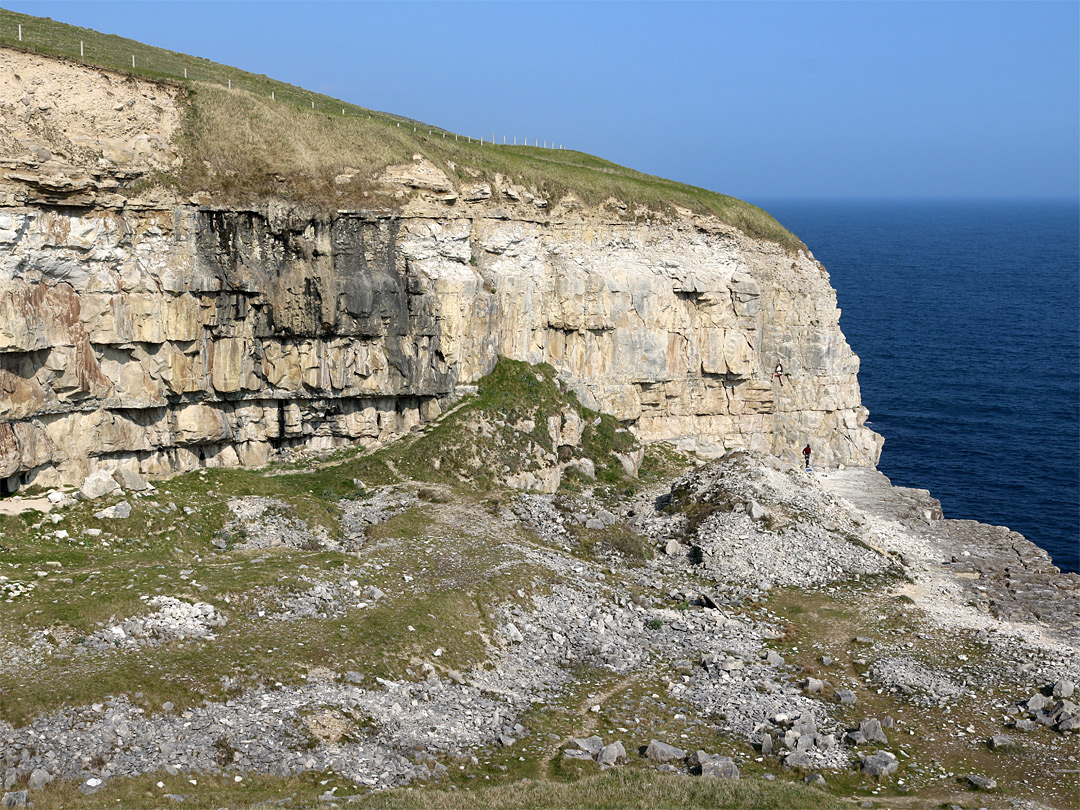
(806, 455)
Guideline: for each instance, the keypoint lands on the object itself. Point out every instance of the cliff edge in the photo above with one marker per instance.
(145, 327)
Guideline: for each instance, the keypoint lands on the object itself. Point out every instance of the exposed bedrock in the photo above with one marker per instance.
(141, 330)
(169, 339)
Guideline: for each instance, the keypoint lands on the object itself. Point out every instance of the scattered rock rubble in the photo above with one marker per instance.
(912, 679)
(756, 524)
(266, 523)
(747, 519)
(173, 620)
(1049, 707)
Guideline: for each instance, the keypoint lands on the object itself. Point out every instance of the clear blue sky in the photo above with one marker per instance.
(762, 100)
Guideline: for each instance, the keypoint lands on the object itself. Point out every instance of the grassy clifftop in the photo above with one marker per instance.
(248, 136)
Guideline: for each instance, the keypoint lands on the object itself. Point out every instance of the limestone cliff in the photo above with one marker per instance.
(140, 329)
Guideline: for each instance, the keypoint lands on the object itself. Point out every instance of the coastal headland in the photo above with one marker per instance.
(437, 473)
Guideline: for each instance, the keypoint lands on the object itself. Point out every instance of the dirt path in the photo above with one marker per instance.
(17, 505)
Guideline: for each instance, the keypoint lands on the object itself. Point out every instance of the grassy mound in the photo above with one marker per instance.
(503, 431)
(248, 136)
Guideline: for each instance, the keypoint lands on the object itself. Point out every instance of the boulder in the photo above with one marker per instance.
(14, 799)
(880, 764)
(981, 782)
(120, 511)
(91, 785)
(39, 778)
(130, 480)
(1069, 724)
(662, 752)
(698, 757)
(855, 737)
(1000, 741)
(720, 768)
(798, 760)
(1064, 688)
(594, 744)
(96, 485)
(608, 519)
(613, 754)
(577, 753)
(872, 731)
(1037, 702)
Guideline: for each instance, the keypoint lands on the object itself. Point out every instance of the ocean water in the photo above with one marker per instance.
(966, 317)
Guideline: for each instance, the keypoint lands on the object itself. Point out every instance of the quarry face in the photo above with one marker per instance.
(477, 488)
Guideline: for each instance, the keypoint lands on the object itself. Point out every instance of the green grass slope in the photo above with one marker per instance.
(247, 137)
(503, 431)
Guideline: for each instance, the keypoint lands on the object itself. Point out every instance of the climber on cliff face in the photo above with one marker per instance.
(806, 455)
(778, 373)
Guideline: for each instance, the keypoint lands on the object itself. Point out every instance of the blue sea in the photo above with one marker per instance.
(967, 319)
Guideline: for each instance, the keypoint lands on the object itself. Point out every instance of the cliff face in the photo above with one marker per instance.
(165, 334)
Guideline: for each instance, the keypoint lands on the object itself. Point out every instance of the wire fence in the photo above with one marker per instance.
(47, 37)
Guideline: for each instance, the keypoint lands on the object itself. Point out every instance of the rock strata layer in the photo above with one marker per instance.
(159, 335)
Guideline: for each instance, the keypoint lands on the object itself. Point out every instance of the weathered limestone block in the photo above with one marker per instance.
(233, 365)
(199, 423)
(24, 445)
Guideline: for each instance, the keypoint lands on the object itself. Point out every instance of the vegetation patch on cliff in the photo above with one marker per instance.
(522, 426)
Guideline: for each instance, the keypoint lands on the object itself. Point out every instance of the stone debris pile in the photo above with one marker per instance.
(1050, 707)
(381, 505)
(261, 731)
(660, 754)
(748, 518)
(540, 514)
(733, 675)
(261, 523)
(908, 677)
(174, 620)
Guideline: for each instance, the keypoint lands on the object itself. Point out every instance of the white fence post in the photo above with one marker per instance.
(185, 73)
(133, 60)
(81, 54)
(20, 32)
